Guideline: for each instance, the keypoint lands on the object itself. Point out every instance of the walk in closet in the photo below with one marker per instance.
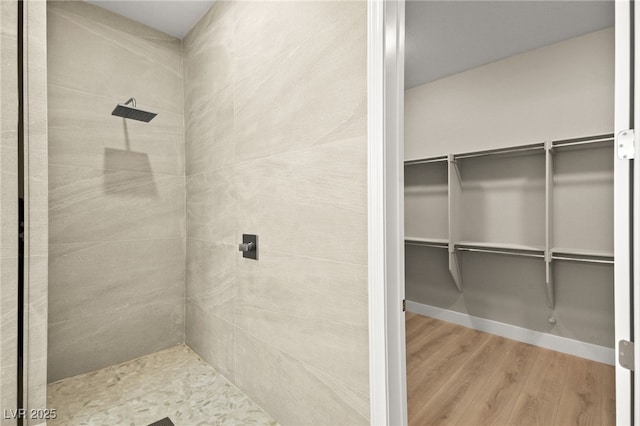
(508, 177)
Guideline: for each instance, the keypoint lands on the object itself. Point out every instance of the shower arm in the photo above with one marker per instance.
(131, 100)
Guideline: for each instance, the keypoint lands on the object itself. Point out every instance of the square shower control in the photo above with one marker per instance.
(249, 246)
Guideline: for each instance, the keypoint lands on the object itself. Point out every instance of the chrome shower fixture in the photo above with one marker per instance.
(132, 112)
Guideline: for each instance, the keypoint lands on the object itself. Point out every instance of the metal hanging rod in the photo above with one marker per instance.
(513, 150)
(426, 160)
(583, 259)
(594, 138)
(497, 251)
(419, 244)
(576, 143)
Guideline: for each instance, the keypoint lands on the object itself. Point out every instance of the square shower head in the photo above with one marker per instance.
(126, 111)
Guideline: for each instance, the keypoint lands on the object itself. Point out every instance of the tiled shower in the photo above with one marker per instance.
(261, 129)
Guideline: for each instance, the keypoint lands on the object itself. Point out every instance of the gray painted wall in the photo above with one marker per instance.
(557, 92)
(117, 197)
(275, 113)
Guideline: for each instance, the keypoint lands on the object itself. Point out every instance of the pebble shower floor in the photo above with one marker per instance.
(174, 383)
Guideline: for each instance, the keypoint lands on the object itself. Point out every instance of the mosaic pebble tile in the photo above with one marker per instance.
(174, 383)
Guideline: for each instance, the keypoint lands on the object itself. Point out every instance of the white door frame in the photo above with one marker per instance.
(385, 100)
(622, 211)
(385, 126)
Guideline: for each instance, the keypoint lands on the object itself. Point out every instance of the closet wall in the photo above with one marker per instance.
(558, 92)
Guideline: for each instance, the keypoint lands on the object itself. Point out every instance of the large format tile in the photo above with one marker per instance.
(311, 202)
(95, 205)
(209, 132)
(86, 344)
(37, 196)
(8, 334)
(211, 337)
(210, 278)
(9, 204)
(89, 279)
(8, 18)
(208, 50)
(294, 392)
(314, 310)
(146, 67)
(36, 309)
(313, 94)
(82, 132)
(8, 88)
(211, 206)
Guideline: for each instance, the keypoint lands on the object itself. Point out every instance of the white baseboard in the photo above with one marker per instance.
(537, 338)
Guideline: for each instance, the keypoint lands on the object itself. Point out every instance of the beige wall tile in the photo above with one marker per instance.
(212, 338)
(8, 85)
(117, 190)
(211, 206)
(314, 91)
(102, 277)
(209, 131)
(292, 391)
(293, 170)
(311, 202)
(95, 205)
(36, 215)
(8, 334)
(86, 344)
(208, 57)
(211, 277)
(9, 205)
(314, 310)
(81, 53)
(36, 344)
(82, 132)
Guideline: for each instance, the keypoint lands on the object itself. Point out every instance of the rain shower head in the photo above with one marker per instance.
(126, 111)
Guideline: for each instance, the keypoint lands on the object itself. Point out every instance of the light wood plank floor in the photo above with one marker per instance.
(460, 376)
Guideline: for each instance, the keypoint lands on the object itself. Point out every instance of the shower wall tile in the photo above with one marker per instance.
(132, 330)
(209, 130)
(35, 196)
(8, 85)
(310, 202)
(82, 132)
(208, 64)
(37, 212)
(146, 67)
(292, 391)
(96, 205)
(211, 206)
(211, 277)
(36, 338)
(275, 103)
(117, 208)
(304, 90)
(96, 278)
(8, 335)
(9, 205)
(8, 208)
(314, 310)
(211, 337)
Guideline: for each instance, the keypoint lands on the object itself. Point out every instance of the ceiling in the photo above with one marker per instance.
(448, 37)
(442, 37)
(175, 17)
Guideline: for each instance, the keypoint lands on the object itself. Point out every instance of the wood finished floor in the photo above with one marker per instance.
(460, 376)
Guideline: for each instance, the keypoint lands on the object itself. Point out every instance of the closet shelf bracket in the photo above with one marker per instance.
(548, 259)
(625, 145)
